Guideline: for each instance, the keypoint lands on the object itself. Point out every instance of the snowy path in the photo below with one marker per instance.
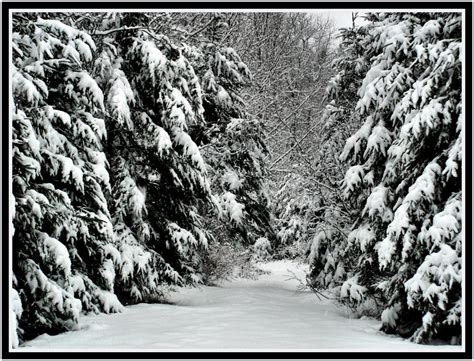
(240, 315)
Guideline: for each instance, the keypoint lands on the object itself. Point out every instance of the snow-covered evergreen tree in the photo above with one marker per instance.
(159, 178)
(230, 139)
(405, 172)
(330, 258)
(62, 227)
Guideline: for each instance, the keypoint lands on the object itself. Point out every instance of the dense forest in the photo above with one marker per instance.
(159, 150)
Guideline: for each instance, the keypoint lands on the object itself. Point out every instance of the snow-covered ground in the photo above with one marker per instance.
(264, 314)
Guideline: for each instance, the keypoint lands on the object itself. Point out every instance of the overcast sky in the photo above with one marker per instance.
(342, 19)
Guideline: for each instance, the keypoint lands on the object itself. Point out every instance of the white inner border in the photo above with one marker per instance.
(302, 10)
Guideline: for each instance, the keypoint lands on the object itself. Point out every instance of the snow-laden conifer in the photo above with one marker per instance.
(158, 175)
(406, 242)
(61, 222)
(232, 141)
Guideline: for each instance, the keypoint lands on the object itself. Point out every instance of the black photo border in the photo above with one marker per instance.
(429, 6)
